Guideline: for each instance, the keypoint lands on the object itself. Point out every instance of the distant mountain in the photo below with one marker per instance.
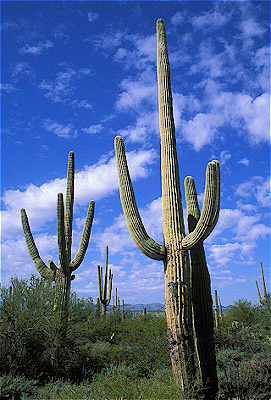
(152, 307)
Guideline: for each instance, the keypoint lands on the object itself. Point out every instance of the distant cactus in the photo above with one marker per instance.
(106, 288)
(62, 274)
(174, 252)
(262, 300)
(217, 322)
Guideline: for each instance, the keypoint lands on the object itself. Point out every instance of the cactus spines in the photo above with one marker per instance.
(174, 252)
(62, 273)
(106, 288)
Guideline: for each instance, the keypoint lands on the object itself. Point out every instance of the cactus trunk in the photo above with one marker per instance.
(177, 267)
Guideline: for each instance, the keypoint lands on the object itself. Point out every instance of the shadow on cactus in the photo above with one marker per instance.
(174, 251)
(61, 274)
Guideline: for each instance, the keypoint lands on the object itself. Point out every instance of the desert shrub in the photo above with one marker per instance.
(243, 378)
(243, 352)
(16, 388)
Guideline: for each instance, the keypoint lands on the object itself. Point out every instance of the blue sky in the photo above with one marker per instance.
(76, 74)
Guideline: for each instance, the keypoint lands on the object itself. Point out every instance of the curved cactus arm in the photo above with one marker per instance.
(78, 258)
(63, 262)
(210, 211)
(136, 228)
(69, 204)
(44, 271)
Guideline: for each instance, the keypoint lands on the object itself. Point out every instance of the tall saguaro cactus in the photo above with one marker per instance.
(106, 288)
(174, 252)
(62, 273)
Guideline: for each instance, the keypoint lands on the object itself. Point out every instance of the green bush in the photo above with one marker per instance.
(16, 388)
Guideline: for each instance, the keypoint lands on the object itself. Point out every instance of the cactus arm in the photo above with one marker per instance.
(63, 265)
(210, 211)
(69, 204)
(78, 258)
(136, 228)
(44, 271)
(263, 282)
(259, 293)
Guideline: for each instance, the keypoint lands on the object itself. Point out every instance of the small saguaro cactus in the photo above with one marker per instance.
(262, 300)
(217, 321)
(174, 251)
(62, 273)
(106, 288)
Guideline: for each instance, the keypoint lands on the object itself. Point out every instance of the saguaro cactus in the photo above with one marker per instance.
(104, 291)
(174, 252)
(62, 273)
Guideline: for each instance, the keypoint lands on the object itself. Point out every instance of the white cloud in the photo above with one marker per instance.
(92, 183)
(145, 125)
(92, 129)
(92, 16)
(136, 92)
(250, 116)
(224, 157)
(38, 49)
(210, 19)
(250, 28)
(201, 130)
(7, 87)
(20, 68)
(245, 161)
(257, 187)
(226, 254)
(178, 18)
(64, 131)
(61, 89)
